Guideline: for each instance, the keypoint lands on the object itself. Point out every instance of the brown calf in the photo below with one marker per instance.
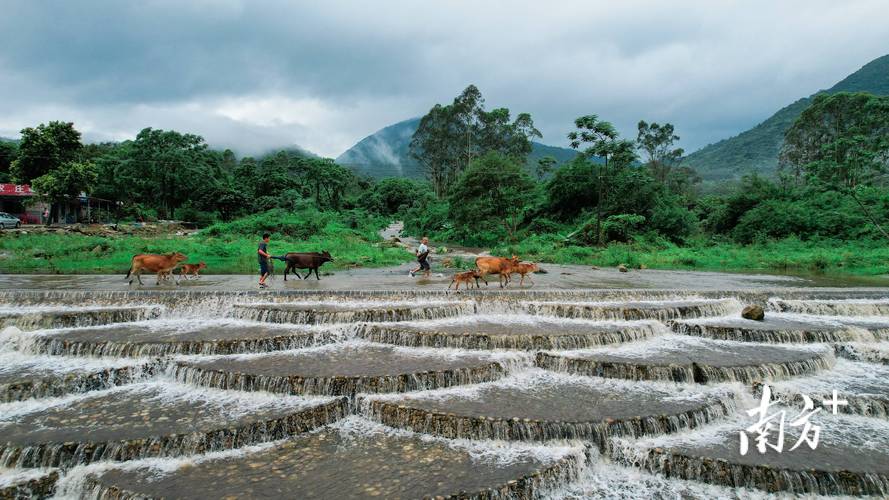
(525, 268)
(496, 265)
(155, 263)
(191, 269)
(468, 278)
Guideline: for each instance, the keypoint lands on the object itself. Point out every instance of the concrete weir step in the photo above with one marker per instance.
(543, 406)
(635, 310)
(338, 462)
(25, 376)
(151, 419)
(315, 313)
(38, 317)
(776, 328)
(179, 336)
(679, 358)
(851, 457)
(341, 369)
(862, 385)
(522, 332)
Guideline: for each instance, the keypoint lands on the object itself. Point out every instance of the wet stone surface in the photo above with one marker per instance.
(345, 313)
(835, 466)
(341, 369)
(549, 406)
(147, 419)
(683, 359)
(23, 377)
(635, 310)
(329, 464)
(33, 318)
(775, 328)
(162, 337)
(516, 332)
(865, 386)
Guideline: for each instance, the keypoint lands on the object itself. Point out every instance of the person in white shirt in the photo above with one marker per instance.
(422, 255)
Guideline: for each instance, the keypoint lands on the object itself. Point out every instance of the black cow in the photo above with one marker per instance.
(304, 260)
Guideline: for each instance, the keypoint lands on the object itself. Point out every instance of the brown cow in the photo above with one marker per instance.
(304, 260)
(468, 277)
(160, 264)
(525, 268)
(496, 265)
(192, 269)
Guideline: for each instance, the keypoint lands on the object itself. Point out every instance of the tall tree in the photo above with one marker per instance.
(8, 152)
(491, 196)
(450, 137)
(841, 142)
(166, 167)
(600, 139)
(45, 148)
(545, 165)
(657, 142)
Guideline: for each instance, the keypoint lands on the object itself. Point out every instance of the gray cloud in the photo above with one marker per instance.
(255, 75)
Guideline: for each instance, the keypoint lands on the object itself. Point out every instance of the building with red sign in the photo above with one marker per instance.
(18, 200)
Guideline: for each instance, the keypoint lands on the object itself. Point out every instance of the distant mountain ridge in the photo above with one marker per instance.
(385, 153)
(757, 149)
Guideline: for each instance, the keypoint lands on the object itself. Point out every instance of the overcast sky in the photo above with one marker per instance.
(322, 75)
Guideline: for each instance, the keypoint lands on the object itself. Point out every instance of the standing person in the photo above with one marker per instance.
(422, 255)
(263, 253)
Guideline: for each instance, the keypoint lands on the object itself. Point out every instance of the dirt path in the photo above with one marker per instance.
(394, 231)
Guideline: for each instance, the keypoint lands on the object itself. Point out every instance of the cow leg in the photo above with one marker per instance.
(139, 276)
(286, 270)
(316, 275)
(307, 274)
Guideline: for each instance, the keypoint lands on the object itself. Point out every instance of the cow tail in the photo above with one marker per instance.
(130, 270)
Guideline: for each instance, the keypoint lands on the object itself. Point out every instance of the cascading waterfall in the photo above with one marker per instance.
(529, 342)
(310, 316)
(75, 317)
(686, 373)
(337, 385)
(612, 317)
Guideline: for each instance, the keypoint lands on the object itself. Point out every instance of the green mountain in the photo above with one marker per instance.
(385, 153)
(756, 150)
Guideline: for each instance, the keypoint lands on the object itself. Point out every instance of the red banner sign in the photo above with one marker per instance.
(15, 190)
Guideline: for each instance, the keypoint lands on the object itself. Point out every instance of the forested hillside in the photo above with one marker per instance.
(756, 150)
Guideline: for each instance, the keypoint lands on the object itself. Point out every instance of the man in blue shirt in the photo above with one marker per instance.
(263, 254)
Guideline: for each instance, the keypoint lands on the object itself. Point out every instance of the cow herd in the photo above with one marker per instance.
(165, 264)
(503, 267)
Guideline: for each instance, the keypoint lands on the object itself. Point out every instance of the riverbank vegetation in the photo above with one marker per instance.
(620, 201)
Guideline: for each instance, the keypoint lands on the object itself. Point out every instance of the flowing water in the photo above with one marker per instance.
(194, 393)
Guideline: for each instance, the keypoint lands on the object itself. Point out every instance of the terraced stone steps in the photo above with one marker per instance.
(168, 337)
(33, 318)
(841, 307)
(151, 420)
(336, 463)
(341, 369)
(311, 314)
(24, 377)
(533, 408)
(635, 310)
(508, 332)
(774, 329)
(850, 459)
(865, 386)
(690, 360)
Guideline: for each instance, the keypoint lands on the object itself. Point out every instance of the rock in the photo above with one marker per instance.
(97, 250)
(39, 253)
(623, 268)
(753, 312)
(643, 266)
(447, 262)
(594, 268)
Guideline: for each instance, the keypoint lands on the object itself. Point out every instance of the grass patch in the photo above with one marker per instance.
(790, 255)
(226, 248)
